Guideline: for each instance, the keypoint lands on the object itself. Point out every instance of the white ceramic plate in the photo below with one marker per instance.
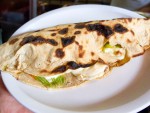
(126, 89)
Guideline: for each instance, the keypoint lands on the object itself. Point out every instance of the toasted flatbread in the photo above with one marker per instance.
(78, 52)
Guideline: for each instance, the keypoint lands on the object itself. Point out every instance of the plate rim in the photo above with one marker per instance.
(53, 11)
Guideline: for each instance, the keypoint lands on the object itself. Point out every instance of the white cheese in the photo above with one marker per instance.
(89, 73)
(94, 71)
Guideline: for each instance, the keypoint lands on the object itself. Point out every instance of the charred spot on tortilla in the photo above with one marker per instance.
(79, 26)
(77, 32)
(106, 31)
(87, 65)
(129, 19)
(59, 53)
(63, 31)
(81, 54)
(76, 42)
(128, 41)
(101, 61)
(37, 40)
(67, 41)
(120, 28)
(132, 32)
(31, 39)
(146, 18)
(117, 53)
(80, 47)
(13, 41)
(92, 27)
(81, 51)
(73, 65)
(52, 42)
(85, 32)
(53, 30)
(53, 34)
(92, 53)
(16, 64)
(60, 69)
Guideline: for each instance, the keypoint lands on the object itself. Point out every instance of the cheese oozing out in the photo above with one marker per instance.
(89, 73)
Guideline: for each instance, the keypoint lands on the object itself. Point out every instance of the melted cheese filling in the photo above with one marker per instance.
(89, 73)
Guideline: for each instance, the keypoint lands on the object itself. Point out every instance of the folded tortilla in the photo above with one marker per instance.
(69, 55)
